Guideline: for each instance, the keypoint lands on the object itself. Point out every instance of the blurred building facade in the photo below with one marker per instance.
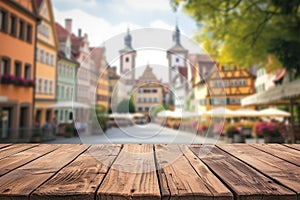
(46, 64)
(66, 73)
(117, 89)
(101, 77)
(127, 63)
(220, 85)
(18, 23)
(148, 92)
(178, 73)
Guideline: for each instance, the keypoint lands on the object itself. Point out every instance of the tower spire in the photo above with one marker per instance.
(176, 34)
(128, 39)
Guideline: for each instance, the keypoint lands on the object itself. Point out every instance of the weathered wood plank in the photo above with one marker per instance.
(81, 178)
(275, 168)
(16, 160)
(182, 181)
(132, 175)
(13, 149)
(280, 151)
(185, 176)
(294, 146)
(18, 184)
(4, 145)
(244, 181)
(215, 186)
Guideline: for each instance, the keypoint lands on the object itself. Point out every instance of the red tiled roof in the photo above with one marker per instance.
(62, 33)
(76, 42)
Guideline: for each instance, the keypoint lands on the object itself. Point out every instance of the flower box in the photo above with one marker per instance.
(7, 79)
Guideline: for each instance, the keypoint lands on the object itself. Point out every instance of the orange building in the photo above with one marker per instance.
(18, 22)
(46, 63)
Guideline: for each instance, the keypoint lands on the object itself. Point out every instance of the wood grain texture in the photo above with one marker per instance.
(81, 178)
(132, 175)
(16, 160)
(115, 172)
(281, 151)
(19, 183)
(294, 146)
(277, 169)
(13, 149)
(244, 181)
(181, 180)
(215, 186)
(4, 145)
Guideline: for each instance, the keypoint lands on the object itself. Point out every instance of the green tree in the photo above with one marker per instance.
(264, 32)
(126, 106)
(160, 108)
(102, 117)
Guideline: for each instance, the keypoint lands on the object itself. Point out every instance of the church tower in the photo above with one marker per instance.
(178, 70)
(127, 60)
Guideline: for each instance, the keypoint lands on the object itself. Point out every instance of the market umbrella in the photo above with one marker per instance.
(245, 112)
(220, 112)
(164, 113)
(273, 112)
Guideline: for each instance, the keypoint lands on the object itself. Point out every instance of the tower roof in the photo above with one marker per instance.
(176, 38)
(128, 42)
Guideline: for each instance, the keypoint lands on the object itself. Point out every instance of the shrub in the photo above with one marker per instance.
(231, 130)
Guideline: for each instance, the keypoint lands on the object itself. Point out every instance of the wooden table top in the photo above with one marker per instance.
(234, 171)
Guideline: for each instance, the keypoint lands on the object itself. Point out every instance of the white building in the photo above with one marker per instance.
(127, 63)
(178, 73)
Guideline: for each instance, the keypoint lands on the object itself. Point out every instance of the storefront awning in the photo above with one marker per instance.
(277, 95)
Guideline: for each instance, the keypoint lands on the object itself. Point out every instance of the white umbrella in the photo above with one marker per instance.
(273, 112)
(68, 104)
(245, 112)
(178, 114)
(192, 114)
(121, 115)
(165, 113)
(220, 112)
(138, 115)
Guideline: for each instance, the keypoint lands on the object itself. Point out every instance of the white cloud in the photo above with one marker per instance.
(161, 24)
(98, 29)
(146, 5)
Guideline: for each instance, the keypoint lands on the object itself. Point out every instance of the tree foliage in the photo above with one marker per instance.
(102, 117)
(160, 108)
(126, 106)
(265, 32)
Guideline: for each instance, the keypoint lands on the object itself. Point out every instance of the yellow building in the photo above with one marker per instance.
(100, 76)
(148, 92)
(18, 22)
(220, 85)
(117, 89)
(46, 62)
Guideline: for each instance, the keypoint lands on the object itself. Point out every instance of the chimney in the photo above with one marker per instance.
(68, 25)
(79, 32)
